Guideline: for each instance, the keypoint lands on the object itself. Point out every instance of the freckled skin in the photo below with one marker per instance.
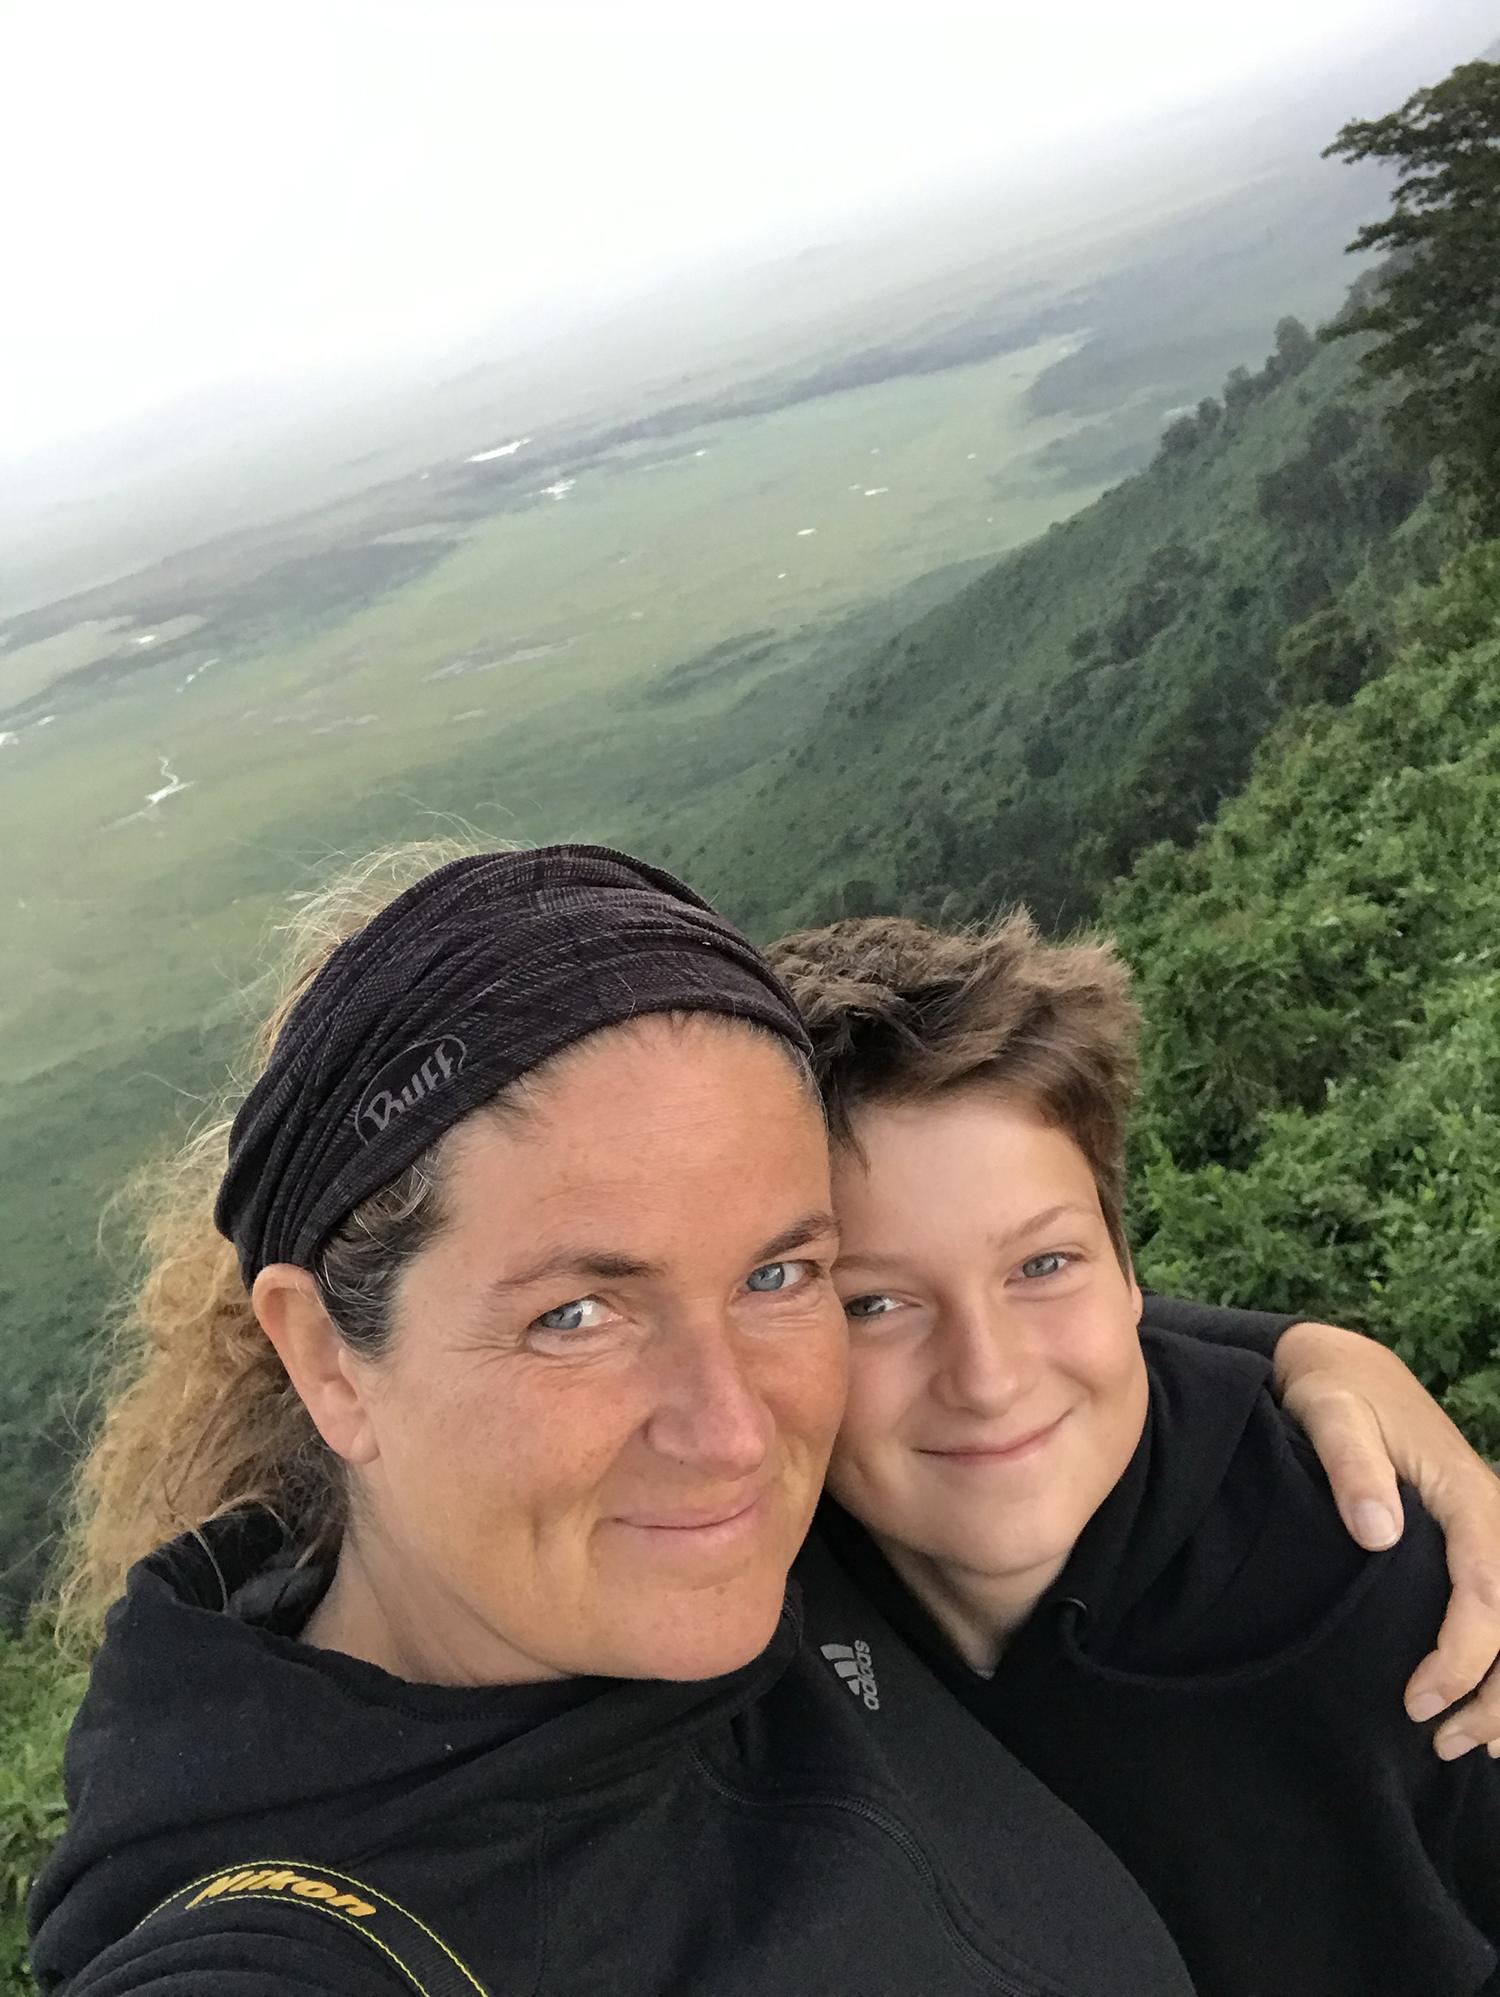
(999, 1390)
(623, 1490)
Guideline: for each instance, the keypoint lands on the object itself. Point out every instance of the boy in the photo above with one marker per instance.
(1109, 1543)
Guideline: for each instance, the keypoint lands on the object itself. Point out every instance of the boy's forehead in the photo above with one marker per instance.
(968, 1112)
(984, 1160)
(973, 1170)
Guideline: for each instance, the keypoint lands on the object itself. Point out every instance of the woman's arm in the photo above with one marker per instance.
(1372, 1423)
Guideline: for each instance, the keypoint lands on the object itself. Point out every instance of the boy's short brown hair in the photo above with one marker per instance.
(898, 1012)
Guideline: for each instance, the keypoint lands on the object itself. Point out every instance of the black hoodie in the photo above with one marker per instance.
(1214, 1683)
(789, 1831)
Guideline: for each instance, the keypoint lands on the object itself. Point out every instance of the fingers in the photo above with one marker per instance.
(1475, 1725)
(1345, 1431)
(1469, 1640)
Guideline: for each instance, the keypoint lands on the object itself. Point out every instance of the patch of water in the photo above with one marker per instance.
(500, 451)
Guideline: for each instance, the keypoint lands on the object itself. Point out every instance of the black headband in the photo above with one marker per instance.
(465, 982)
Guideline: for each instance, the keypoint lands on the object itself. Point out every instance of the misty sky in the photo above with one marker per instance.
(226, 189)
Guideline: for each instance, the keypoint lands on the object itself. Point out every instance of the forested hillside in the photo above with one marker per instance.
(1100, 689)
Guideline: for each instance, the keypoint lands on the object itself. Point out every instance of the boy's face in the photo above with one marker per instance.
(997, 1387)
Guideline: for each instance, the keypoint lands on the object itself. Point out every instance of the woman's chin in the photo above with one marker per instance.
(706, 1638)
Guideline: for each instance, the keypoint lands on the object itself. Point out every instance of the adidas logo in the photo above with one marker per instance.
(852, 1663)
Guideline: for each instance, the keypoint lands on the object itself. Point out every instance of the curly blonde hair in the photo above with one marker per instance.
(199, 1414)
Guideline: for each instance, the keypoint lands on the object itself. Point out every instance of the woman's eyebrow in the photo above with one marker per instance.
(808, 1228)
(599, 1264)
(605, 1265)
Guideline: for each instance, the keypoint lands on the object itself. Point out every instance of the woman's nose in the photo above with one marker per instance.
(710, 1414)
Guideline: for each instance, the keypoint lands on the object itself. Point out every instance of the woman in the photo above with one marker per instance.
(489, 1445)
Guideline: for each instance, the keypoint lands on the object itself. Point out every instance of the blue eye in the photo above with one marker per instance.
(572, 1316)
(774, 1276)
(1049, 1264)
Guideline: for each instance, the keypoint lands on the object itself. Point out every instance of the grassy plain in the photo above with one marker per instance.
(510, 682)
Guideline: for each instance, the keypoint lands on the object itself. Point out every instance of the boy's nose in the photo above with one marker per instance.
(985, 1365)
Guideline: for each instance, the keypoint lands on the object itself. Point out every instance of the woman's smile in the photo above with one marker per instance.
(725, 1526)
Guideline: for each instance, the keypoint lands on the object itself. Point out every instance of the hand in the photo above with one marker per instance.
(1370, 1423)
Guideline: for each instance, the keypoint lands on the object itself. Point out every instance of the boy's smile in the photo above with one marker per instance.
(997, 1388)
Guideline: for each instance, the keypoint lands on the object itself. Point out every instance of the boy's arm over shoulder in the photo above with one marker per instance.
(1235, 1552)
(1266, 1587)
(1456, 1802)
(1215, 1324)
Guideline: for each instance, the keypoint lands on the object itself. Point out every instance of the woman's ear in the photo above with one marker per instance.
(329, 1379)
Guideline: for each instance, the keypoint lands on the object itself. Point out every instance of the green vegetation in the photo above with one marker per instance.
(1104, 687)
(1320, 976)
(37, 1700)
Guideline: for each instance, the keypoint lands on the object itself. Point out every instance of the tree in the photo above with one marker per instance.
(1295, 348)
(1436, 306)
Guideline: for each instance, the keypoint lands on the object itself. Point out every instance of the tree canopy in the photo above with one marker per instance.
(1436, 301)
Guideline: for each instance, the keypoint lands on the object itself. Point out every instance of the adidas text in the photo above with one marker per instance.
(852, 1663)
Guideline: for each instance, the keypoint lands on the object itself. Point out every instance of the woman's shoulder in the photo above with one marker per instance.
(241, 1951)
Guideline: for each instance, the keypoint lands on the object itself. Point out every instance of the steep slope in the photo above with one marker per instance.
(1098, 690)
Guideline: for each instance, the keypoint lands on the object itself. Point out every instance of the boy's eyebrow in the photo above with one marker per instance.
(1030, 1225)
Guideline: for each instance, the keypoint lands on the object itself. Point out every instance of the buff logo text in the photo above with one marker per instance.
(404, 1082)
(280, 1880)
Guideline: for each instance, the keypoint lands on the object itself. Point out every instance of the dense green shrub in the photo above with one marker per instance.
(1320, 975)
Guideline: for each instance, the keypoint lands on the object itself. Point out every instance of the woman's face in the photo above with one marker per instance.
(597, 1438)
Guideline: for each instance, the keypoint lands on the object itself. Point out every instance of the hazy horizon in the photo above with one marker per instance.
(299, 206)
